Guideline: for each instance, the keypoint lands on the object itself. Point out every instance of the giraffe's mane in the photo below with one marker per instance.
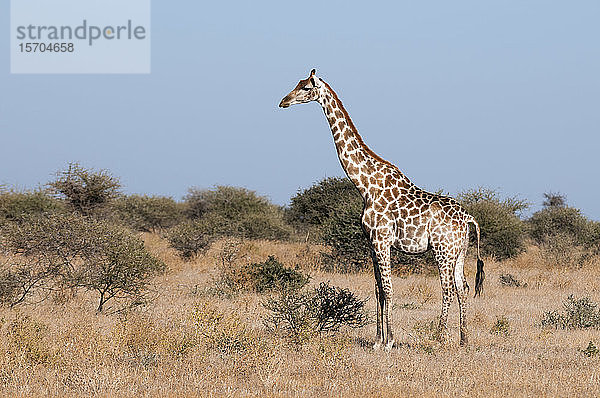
(355, 130)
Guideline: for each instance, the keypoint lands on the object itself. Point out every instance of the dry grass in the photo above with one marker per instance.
(190, 343)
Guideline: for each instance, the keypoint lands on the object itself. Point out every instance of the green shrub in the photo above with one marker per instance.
(189, 238)
(68, 251)
(591, 350)
(342, 231)
(290, 315)
(229, 202)
(562, 249)
(578, 313)
(232, 277)
(236, 212)
(333, 307)
(272, 275)
(595, 237)
(314, 206)
(195, 236)
(268, 225)
(565, 236)
(482, 194)
(301, 315)
(502, 231)
(17, 205)
(85, 190)
(501, 327)
(147, 213)
(259, 277)
(567, 221)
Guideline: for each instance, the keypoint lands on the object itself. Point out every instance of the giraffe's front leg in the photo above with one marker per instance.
(382, 251)
(379, 339)
(378, 298)
(387, 303)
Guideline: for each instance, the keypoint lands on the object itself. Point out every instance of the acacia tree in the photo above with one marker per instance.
(19, 280)
(85, 190)
(56, 252)
(40, 254)
(117, 265)
(554, 199)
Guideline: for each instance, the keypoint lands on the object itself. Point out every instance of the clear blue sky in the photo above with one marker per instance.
(458, 94)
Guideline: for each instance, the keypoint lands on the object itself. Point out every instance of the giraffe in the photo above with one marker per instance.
(397, 213)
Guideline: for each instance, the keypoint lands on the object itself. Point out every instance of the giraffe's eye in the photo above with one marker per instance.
(306, 88)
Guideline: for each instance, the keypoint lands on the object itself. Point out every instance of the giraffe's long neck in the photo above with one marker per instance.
(358, 161)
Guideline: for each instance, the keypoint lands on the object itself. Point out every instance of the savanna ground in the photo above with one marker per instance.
(190, 341)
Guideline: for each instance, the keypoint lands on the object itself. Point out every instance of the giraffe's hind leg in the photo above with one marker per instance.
(446, 264)
(461, 294)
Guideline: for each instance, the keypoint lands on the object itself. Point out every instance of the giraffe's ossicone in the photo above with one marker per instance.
(397, 213)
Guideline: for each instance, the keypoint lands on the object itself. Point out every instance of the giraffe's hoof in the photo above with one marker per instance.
(389, 345)
(377, 346)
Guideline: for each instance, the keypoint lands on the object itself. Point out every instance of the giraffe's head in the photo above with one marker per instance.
(307, 90)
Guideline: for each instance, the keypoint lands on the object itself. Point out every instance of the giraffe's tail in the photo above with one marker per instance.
(480, 276)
